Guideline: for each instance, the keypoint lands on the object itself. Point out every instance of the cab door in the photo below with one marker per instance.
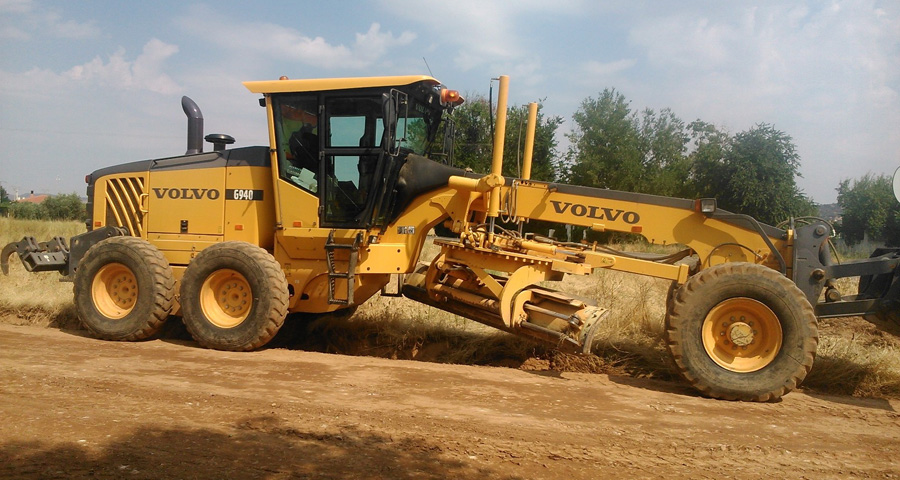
(351, 159)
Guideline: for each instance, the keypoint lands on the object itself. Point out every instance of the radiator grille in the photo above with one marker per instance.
(123, 204)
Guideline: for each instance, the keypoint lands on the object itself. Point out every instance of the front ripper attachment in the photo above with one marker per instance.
(55, 255)
(37, 257)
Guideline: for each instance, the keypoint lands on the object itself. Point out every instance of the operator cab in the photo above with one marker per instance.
(345, 140)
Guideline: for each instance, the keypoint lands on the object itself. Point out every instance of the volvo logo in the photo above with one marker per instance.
(187, 193)
(593, 211)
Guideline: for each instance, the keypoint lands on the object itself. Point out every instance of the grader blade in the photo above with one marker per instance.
(566, 322)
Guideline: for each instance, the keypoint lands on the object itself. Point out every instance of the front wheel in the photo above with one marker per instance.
(124, 289)
(234, 296)
(741, 331)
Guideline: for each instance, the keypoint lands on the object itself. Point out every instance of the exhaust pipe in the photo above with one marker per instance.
(195, 126)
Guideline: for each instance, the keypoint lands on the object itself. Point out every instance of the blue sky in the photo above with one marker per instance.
(84, 85)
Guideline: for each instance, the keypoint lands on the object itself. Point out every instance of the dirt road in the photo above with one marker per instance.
(75, 407)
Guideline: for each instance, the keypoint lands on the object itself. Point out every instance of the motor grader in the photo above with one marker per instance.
(338, 206)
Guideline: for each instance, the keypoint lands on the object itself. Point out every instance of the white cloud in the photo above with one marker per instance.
(600, 69)
(260, 39)
(54, 25)
(10, 32)
(144, 73)
(21, 20)
(16, 6)
(481, 33)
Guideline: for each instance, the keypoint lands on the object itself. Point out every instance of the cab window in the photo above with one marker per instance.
(297, 134)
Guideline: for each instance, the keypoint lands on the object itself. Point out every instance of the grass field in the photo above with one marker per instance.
(854, 357)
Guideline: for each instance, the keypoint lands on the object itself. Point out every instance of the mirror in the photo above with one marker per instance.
(389, 104)
(897, 184)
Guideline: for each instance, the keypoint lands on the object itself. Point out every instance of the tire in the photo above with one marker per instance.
(124, 289)
(740, 331)
(234, 296)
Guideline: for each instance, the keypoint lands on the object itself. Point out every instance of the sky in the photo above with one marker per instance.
(85, 85)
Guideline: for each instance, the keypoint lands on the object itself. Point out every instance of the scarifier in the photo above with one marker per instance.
(338, 206)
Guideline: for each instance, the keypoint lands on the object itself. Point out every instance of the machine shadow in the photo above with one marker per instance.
(253, 448)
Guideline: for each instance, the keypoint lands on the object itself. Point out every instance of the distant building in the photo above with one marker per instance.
(831, 212)
(32, 198)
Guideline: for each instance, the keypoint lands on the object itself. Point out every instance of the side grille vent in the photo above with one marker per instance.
(123, 204)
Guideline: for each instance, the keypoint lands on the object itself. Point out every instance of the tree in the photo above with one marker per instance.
(544, 153)
(664, 142)
(869, 209)
(613, 147)
(27, 211)
(58, 207)
(4, 202)
(753, 173)
(473, 139)
(605, 150)
(708, 175)
(64, 207)
(472, 135)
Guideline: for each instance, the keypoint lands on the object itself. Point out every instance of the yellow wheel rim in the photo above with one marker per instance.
(226, 298)
(742, 335)
(114, 290)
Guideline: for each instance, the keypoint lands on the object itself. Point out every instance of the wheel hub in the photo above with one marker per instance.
(114, 290)
(742, 335)
(226, 298)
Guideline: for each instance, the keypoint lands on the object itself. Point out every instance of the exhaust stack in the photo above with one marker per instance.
(195, 126)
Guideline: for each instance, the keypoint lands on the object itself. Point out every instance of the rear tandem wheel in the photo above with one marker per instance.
(234, 296)
(741, 331)
(124, 289)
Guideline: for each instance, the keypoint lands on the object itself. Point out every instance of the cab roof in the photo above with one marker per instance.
(322, 84)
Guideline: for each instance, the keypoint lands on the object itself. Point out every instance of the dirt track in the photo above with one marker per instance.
(75, 407)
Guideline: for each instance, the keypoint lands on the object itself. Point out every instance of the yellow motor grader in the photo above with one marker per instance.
(338, 206)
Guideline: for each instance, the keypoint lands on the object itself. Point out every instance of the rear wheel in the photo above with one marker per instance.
(234, 296)
(741, 331)
(124, 289)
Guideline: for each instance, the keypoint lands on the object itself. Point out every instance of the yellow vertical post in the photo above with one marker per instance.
(273, 149)
(499, 137)
(529, 140)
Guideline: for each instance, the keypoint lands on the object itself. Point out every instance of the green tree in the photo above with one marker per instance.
(472, 135)
(4, 202)
(473, 139)
(614, 147)
(64, 207)
(869, 209)
(708, 174)
(27, 211)
(544, 153)
(664, 141)
(605, 144)
(753, 173)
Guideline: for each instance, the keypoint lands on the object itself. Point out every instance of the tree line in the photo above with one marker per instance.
(57, 207)
(612, 145)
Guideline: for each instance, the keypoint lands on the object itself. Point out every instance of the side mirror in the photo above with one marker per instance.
(389, 109)
(394, 108)
(897, 184)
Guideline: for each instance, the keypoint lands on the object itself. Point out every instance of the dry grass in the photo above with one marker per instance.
(36, 298)
(855, 357)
